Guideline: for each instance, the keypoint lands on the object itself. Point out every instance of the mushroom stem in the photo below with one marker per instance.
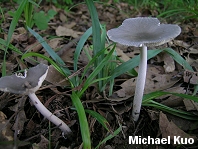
(140, 83)
(46, 113)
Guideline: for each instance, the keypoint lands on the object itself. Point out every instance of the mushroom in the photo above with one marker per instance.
(28, 84)
(142, 32)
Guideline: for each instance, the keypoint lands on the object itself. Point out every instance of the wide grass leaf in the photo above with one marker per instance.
(147, 101)
(100, 119)
(11, 31)
(177, 57)
(84, 128)
(116, 132)
(80, 46)
(51, 52)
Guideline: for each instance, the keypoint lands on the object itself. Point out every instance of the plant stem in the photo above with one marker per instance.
(46, 113)
(140, 83)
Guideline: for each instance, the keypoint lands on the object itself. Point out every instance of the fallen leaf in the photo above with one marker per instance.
(67, 55)
(154, 115)
(168, 128)
(63, 31)
(83, 59)
(55, 43)
(31, 126)
(190, 105)
(190, 77)
(128, 88)
(5, 131)
(34, 47)
(155, 80)
(43, 144)
(21, 117)
(121, 54)
(55, 77)
(63, 17)
(169, 63)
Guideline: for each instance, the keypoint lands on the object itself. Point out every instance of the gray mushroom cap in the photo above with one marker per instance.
(29, 83)
(143, 31)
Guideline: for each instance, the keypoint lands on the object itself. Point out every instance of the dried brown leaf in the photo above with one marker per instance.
(34, 47)
(55, 43)
(190, 77)
(5, 132)
(169, 64)
(42, 144)
(190, 105)
(67, 55)
(121, 54)
(168, 128)
(157, 80)
(21, 117)
(55, 77)
(63, 17)
(63, 31)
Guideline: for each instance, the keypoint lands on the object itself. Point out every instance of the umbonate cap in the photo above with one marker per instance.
(30, 82)
(143, 31)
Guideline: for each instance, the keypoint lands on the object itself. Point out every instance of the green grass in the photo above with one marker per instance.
(148, 101)
(177, 9)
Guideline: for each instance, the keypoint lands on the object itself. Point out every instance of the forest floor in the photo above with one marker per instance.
(27, 126)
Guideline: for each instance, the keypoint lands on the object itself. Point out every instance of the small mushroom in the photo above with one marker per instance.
(28, 84)
(142, 32)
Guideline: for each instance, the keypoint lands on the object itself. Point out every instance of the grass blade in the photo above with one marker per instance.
(80, 45)
(179, 113)
(130, 64)
(147, 101)
(98, 45)
(178, 59)
(100, 119)
(10, 46)
(84, 128)
(109, 137)
(96, 70)
(51, 52)
(11, 31)
(43, 57)
(95, 26)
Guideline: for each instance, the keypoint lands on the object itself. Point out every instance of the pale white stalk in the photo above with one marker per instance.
(46, 113)
(140, 84)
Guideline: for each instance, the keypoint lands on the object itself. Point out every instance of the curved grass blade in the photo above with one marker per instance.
(152, 95)
(10, 46)
(43, 57)
(11, 31)
(179, 113)
(117, 131)
(147, 101)
(170, 13)
(130, 64)
(51, 52)
(100, 119)
(84, 128)
(178, 59)
(91, 63)
(97, 69)
(80, 45)
(95, 26)
(92, 82)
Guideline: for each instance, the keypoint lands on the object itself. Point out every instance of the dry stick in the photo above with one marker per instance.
(140, 83)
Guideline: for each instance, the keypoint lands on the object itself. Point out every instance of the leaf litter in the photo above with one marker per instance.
(17, 116)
